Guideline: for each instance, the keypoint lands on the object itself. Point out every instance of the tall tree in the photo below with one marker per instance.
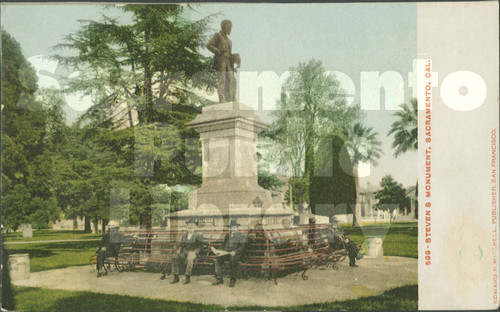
(333, 184)
(26, 166)
(405, 129)
(362, 146)
(312, 106)
(151, 65)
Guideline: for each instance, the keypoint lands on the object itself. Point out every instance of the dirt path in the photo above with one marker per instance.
(372, 277)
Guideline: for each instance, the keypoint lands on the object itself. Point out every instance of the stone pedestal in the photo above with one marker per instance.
(228, 133)
(27, 230)
(210, 217)
(19, 267)
(374, 247)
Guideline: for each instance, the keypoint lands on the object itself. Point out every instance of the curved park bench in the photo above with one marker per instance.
(273, 252)
(110, 264)
(281, 251)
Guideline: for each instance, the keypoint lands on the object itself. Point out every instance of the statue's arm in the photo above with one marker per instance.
(212, 45)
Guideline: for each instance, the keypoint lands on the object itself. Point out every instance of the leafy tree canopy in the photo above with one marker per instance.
(150, 65)
(27, 132)
(312, 106)
(405, 129)
(392, 195)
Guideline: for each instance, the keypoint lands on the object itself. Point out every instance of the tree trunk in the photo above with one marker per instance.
(416, 202)
(96, 225)
(87, 225)
(356, 211)
(130, 119)
(75, 223)
(148, 78)
(146, 223)
(312, 232)
(145, 220)
(309, 151)
(309, 158)
(7, 295)
(103, 227)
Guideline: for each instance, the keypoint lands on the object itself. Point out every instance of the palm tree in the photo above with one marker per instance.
(405, 129)
(362, 146)
(406, 133)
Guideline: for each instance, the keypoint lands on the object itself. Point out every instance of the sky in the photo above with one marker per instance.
(358, 40)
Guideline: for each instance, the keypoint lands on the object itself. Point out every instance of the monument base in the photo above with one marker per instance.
(210, 217)
(374, 247)
(19, 267)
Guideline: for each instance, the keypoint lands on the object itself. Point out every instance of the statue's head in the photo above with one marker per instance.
(226, 26)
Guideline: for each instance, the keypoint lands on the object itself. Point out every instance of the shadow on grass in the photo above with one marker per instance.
(38, 299)
(49, 249)
(49, 235)
(41, 299)
(33, 252)
(48, 256)
(121, 303)
(398, 299)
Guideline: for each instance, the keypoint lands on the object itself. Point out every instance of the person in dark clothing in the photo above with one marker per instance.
(352, 250)
(191, 246)
(233, 250)
(339, 240)
(108, 247)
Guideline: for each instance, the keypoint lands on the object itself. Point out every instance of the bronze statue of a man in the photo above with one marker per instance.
(224, 61)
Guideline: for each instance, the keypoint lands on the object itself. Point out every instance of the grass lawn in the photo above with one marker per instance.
(38, 299)
(400, 238)
(47, 256)
(49, 235)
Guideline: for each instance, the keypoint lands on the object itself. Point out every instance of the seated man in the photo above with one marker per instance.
(191, 246)
(339, 240)
(233, 251)
(108, 247)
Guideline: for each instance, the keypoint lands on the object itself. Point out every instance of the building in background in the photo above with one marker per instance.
(370, 214)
